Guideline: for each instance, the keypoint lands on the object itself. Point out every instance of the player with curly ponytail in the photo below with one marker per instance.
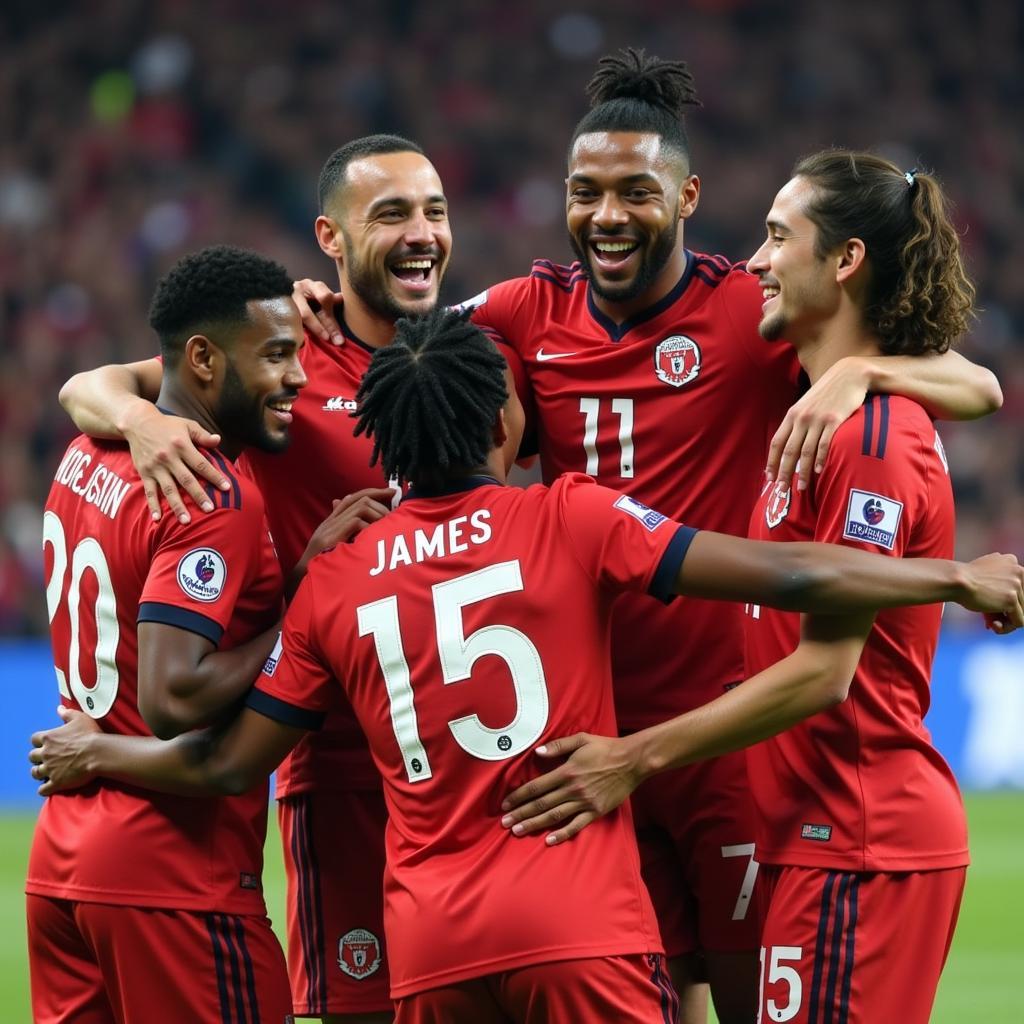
(919, 298)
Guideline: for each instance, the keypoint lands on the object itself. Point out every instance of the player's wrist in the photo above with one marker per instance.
(133, 412)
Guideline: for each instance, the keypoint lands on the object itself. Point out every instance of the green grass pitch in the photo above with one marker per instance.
(983, 981)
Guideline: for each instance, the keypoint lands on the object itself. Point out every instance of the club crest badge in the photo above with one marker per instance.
(872, 518)
(359, 953)
(677, 360)
(778, 504)
(201, 574)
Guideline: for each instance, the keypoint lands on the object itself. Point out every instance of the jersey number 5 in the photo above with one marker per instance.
(98, 699)
(458, 654)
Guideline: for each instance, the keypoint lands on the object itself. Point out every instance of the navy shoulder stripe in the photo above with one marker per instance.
(231, 498)
(565, 286)
(712, 281)
(560, 270)
(875, 405)
(715, 265)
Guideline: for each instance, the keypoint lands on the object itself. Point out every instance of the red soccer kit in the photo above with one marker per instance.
(332, 810)
(467, 628)
(110, 566)
(860, 788)
(675, 406)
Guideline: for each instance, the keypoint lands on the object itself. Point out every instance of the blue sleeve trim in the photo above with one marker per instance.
(663, 584)
(172, 615)
(281, 711)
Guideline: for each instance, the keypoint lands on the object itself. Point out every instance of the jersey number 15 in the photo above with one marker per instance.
(458, 653)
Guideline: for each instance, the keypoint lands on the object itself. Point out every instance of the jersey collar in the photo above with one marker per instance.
(466, 483)
(618, 331)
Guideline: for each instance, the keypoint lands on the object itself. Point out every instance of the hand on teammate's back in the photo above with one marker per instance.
(165, 450)
(598, 775)
(316, 302)
(58, 754)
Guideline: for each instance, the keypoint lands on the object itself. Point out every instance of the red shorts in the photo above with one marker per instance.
(334, 864)
(98, 963)
(626, 989)
(845, 947)
(695, 828)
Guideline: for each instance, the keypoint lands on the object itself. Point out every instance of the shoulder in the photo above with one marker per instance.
(242, 495)
(885, 427)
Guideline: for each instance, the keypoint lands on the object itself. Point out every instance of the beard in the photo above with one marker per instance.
(772, 327)
(652, 263)
(241, 416)
(370, 285)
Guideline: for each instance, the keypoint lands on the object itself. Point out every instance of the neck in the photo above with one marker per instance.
(189, 405)
(821, 347)
(370, 327)
(620, 311)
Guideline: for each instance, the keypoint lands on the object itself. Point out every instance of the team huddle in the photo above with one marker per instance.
(585, 751)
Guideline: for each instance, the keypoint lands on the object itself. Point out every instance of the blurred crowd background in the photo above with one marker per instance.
(132, 132)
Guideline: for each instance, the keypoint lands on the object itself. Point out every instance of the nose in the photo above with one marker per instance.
(295, 375)
(758, 263)
(418, 229)
(610, 212)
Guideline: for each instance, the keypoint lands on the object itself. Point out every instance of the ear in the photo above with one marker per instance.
(328, 236)
(689, 196)
(850, 258)
(499, 431)
(201, 356)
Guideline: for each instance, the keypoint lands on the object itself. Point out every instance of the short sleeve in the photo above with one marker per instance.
(620, 542)
(494, 312)
(295, 685)
(199, 569)
(872, 490)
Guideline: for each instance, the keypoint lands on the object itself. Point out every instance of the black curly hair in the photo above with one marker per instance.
(631, 92)
(332, 174)
(430, 399)
(211, 287)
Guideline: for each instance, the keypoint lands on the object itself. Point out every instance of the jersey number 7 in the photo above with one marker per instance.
(458, 653)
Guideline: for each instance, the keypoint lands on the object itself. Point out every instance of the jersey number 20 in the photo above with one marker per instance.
(458, 653)
(96, 700)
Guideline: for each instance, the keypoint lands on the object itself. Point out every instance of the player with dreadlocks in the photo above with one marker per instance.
(468, 626)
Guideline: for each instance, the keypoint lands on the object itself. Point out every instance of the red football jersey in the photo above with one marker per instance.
(675, 406)
(324, 461)
(110, 566)
(860, 787)
(467, 628)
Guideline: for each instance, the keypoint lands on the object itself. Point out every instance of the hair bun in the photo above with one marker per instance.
(632, 75)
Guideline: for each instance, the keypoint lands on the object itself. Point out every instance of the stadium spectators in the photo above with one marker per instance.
(131, 133)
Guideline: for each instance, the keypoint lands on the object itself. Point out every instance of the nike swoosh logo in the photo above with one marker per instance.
(543, 357)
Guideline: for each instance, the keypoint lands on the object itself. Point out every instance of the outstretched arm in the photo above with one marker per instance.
(603, 770)
(204, 763)
(117, 402)
(834, 578)
(949, 386)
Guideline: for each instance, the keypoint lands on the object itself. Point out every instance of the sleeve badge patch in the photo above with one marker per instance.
(270, 665)
(872, 518)
(651, 519)
(201, 574)
(778, 504)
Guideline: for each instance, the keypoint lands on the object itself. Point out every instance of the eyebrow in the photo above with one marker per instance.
(404, 202)
(586, 179)
(776, 225)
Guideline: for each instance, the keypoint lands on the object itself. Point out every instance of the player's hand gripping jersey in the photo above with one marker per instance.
(110, 566)
(467, 628)
(860, 787)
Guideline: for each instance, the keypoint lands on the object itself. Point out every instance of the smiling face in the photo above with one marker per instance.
(626, 194)
(799, 285)
(262, 376)
(393, 219)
